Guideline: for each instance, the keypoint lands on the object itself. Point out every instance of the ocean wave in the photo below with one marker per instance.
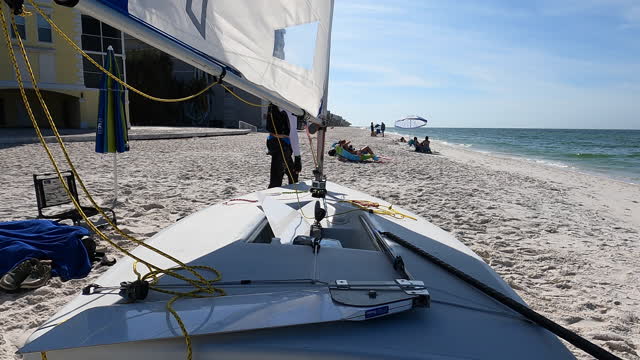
(551, 163)
(455, 144)
(601, 156)
(589, 156)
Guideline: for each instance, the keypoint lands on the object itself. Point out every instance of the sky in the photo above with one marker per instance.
(489, 63)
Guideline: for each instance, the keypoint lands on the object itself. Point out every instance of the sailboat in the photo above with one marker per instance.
(339, 276)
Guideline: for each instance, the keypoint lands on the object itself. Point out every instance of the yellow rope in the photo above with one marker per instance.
(313, 154)
(69, 161)
(86, 56)
(295, 184)
(241, 99)
(202, 285)
(376, 208)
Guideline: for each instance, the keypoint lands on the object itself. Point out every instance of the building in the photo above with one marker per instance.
(69, 83)
(163, 75)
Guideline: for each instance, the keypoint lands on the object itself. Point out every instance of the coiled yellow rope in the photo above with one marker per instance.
(201, 284)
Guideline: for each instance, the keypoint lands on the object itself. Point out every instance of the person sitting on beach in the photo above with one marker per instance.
(424, 146)
(346, 146)
(365, 150)
(413, 142)
(402, 139)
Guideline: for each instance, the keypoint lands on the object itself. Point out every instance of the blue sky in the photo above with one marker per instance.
(535, 63)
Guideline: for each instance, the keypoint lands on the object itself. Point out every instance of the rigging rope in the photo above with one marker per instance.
(117, 79)
(313, 154)
(241, 99)
(376, 208)
(200, 284)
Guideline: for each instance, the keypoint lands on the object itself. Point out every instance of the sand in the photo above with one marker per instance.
(567, 242)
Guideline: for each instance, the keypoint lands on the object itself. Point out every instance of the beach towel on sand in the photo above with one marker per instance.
(44, 239)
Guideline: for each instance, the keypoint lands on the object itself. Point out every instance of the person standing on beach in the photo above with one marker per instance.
(382, 127)
(282, 130)
(372, 133)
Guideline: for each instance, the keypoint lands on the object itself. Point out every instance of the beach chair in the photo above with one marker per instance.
(50, 195)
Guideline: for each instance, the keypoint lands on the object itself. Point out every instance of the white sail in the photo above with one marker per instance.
(248, 36)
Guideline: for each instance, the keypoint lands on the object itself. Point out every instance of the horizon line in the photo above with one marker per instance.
(521, 128)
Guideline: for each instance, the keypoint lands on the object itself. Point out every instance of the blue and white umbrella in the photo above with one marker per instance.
(111, 133)
(411, 122)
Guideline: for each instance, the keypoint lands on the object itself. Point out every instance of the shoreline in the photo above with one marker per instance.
(536, 160)
(539, 162)
(565, 242)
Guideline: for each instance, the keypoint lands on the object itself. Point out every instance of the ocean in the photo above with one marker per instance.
(612, 153)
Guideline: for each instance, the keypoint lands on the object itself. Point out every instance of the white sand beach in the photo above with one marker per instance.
(568, 243)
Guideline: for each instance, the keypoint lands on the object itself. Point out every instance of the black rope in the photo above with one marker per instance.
(222, 75)
(568, 335)
(303, 116)
(15, 5)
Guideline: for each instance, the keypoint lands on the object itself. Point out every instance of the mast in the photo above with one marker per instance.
(319, 187)
(121, 21)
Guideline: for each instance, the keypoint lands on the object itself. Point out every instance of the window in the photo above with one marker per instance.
(96, 39)
(22, 28)
(296, 44)
(2, 120)
(111, 37)
(182, 71)
(92, 75)
(44, 30)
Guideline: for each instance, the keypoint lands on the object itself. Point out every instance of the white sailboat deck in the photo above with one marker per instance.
(297, 318)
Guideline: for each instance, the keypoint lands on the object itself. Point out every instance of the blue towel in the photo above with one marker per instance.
(44, 239)
(285, 140)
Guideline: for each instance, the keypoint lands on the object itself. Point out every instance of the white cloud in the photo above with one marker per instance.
(382, 76)
(632, 17)
(471, 76)
(627, 11)
(369, 7)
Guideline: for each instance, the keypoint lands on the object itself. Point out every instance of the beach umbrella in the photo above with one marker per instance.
(111, 132)
(411, 122)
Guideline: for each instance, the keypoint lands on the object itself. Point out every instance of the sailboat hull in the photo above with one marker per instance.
(297, 319)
